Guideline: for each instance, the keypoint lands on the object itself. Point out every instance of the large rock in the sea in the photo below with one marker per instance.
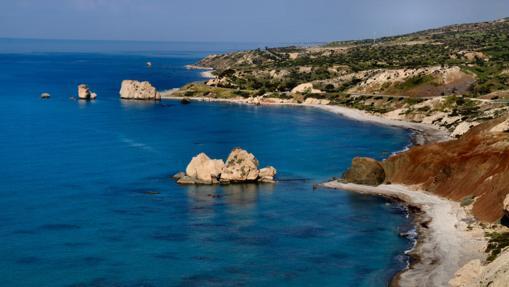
(84, 93)
(204, 169)
(241, 166)
(366, 171)
(135, 90)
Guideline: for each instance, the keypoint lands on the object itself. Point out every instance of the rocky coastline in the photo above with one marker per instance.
(427, 267)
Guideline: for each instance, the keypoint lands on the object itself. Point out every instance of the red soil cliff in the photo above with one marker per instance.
(475, 165)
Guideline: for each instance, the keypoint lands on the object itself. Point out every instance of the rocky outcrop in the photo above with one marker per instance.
(473, 274)
(502, 127)
(305, 88)
(240, 167)
(135, 90)
(84, 93)
(475, 166)
(314, 101)
(365, 171)
(468, 275)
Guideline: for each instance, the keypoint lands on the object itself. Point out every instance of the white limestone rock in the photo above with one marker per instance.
(135, 90)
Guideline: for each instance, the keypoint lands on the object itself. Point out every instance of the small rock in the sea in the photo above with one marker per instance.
(84, 93)
(179, 175)
(45, 96)
(185, 101)
(151, 192)
(240, 167)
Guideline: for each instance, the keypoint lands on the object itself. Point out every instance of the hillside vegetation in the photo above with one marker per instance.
(467, 59)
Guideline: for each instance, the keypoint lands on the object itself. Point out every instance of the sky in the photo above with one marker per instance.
(281, 21)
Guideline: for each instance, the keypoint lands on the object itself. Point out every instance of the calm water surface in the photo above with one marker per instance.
(86, 199)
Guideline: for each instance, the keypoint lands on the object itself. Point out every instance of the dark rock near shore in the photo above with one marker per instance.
(365, 171)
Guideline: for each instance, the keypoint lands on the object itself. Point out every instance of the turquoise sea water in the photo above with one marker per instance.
(86, 198)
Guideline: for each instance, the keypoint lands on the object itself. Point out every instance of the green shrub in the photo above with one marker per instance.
(496, 243)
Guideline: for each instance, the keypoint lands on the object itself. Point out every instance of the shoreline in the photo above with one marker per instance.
(423, 133)
(444, 243)
(206, 72)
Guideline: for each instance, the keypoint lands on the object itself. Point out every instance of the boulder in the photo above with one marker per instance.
(84, 93)
(267, 174)
(135, 90)
(241, 166)
(204, 169)
(365, 171)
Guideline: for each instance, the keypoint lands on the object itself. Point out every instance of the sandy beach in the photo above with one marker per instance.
(444, 243)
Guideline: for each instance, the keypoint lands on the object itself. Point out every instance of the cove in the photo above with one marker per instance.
(87, 199)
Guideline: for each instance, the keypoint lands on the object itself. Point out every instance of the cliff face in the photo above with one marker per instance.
(474, 166)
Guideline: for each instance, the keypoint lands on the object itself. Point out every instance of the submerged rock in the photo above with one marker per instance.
(84, 93)
(366, 171)
(241, 167)
(135, 90)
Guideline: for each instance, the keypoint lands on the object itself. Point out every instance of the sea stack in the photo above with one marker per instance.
(84, 93)
(240, 167)
(135, 90)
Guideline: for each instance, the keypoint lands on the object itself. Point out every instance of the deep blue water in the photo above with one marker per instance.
(86, 198)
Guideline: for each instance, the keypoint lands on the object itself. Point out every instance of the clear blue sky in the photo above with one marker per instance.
(236, 20)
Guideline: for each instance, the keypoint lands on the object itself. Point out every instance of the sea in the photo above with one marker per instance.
(87, 198)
